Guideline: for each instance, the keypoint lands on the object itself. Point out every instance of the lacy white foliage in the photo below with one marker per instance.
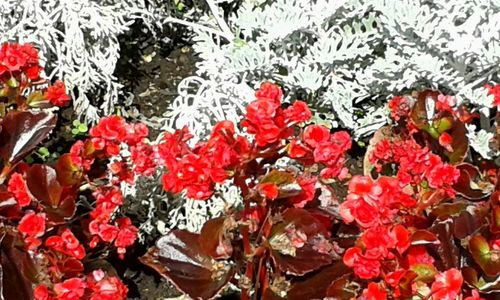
(77, 41)
(480, 141)
(346, 51)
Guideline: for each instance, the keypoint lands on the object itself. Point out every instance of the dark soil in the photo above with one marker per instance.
(150, 70)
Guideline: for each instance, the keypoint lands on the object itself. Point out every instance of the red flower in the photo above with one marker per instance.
(418, 255)
(269, 190)
(374, 292)
(106, 232)
(297, 149)
(298, 112)
(315, 135)
(66, 243)
(361, 204)
(364, 268)
(56, 94)
(474, 296)
(446, 140)
(495, 91)
(378, 242)
(32, 224)
(401, 236)
(12, 57)
(106, 287)
(447, 285)
(269, 91)
(70, 289)
(41, 292)
(308, 186)
(126, 236)
(400, 107)
(17, 186)
(445, 103)
(112, 128)
(343, 139)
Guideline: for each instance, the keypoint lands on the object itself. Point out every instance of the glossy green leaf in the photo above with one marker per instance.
(488, 259)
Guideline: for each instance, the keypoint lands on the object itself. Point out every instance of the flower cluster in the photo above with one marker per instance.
(267, 120)
(20, 71)
(415, 164)
(372, 203)
(197, 170)
(379, 243)
(95, 286)
(17, 58)
(319, 146)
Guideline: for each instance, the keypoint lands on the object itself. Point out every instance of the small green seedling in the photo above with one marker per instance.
(79, 128)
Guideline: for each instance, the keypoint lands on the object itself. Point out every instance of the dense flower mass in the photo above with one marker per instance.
(19, 58)
(371, 203)
(420, 223)
(415, 164)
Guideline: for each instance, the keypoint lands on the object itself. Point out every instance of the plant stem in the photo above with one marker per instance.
(222, 24)
(199, 27)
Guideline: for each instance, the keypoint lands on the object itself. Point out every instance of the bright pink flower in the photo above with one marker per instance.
(70, 289)
(56, 94)
(447, 285)
(17, 186)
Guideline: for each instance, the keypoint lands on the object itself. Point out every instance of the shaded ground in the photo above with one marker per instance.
(150, 71)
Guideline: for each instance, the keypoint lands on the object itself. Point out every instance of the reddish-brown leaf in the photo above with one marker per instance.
(488, 259)
(316, 285)
(68, 173)
(424, 237)
(43, 184)
(179, 258)
(22, 131)
(17, 270)
(470, 184)
(446, 249)
(305, 260)
(214, 239)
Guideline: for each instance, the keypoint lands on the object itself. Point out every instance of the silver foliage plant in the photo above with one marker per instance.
(350, 55)
(343, 52)
(78, 42)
